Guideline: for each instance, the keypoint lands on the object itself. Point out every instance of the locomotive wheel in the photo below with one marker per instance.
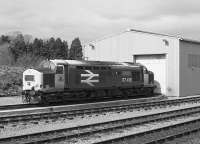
(44, 101)
(100, 94)
(26, 98)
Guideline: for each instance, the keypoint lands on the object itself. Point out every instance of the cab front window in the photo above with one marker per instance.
(47, 65)
(29, 78)
(59, 70)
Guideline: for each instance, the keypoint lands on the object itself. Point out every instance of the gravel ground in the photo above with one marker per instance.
(11, 80)
(11, 100)
(59, 123)
(193, 138)
(131, 130)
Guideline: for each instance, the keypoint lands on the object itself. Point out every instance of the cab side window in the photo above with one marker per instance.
(145, 70)
(59, 70)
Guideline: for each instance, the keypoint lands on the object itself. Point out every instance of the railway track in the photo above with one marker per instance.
(101, 133)
(158, 135)
(95, 110)
(17, 106)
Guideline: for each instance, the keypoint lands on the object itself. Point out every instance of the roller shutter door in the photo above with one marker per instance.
(157, 64)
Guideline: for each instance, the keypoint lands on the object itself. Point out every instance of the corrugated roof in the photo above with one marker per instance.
(94, 63)
(71, 62)
(82, 62)
(147, 32)
(180, 38)
(189, 40)
(152, 33)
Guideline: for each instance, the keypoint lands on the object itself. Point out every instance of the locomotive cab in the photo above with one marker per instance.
(53, 75)
(60, 77)
(148, 76)
(46, 78)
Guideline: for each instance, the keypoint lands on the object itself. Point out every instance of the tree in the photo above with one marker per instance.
(58, 49)
(46, 50)
(17, 47)
(52, 48)
(4, 39)
(24, 51)
(37, 47)
(61, 49)
(76, 50)
(65, 47)
(29, 48)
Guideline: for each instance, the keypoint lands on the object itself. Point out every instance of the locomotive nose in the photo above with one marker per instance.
(29, 81)
(32, 80)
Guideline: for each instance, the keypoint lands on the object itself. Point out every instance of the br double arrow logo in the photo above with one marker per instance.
(89, 78)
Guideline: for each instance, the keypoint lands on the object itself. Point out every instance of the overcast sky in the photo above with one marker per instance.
(93, 19)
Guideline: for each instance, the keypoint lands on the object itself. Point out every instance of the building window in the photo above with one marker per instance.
(193, 61)
(92, 46)
(166, 42)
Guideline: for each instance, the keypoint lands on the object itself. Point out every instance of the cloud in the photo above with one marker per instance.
(91, 19)
(142, 8)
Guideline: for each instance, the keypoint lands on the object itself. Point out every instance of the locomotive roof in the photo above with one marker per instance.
(94, 63)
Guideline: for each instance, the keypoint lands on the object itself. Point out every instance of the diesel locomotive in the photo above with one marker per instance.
(66, 80)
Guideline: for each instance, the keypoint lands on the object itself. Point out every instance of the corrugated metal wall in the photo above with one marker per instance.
(123, 46)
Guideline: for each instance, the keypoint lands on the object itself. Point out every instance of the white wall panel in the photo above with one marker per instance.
(123, 46)
(156, 64)
(189, 75)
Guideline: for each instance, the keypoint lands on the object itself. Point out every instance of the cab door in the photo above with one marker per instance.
(60, 77)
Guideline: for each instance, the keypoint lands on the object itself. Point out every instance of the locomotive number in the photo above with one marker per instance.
(129, 80)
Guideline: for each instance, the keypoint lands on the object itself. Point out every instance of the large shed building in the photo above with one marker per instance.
(175, 61)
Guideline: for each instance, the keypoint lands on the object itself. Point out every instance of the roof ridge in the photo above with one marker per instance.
(148, 32)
